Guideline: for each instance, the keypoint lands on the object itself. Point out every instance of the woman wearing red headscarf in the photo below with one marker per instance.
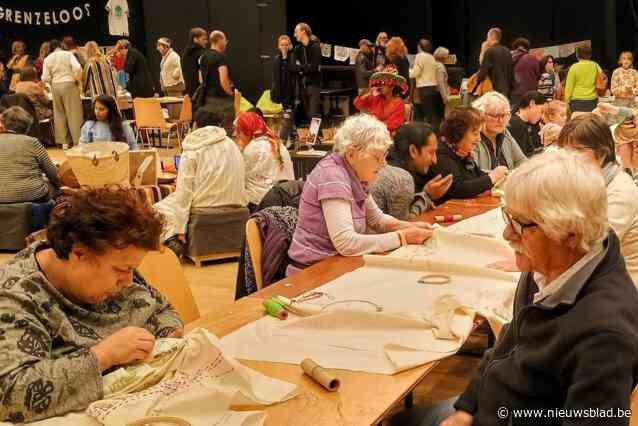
(266, 159)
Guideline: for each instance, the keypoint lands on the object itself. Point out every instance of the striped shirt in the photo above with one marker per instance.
(99, 78)
(23, 161)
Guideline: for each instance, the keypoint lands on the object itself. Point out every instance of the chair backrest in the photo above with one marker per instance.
(148, 113)
(633, 420)
(255, 246)
(186, 114)
(408, 110)
(163, 271)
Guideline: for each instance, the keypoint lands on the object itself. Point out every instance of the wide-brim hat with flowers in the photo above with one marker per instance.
(389, 76)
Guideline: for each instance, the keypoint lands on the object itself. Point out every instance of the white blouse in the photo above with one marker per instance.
(263, 168)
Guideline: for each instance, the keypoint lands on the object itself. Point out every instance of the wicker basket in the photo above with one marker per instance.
(100, 163)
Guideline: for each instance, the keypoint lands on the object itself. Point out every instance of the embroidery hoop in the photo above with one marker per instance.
(435, 279)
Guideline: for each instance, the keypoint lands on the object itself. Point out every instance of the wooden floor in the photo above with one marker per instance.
(214, 285)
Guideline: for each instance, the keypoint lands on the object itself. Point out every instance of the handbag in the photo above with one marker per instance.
(601, 83)
(479, 88)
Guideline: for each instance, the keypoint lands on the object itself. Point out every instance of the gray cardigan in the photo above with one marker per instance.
(512, 153)
(394, 192)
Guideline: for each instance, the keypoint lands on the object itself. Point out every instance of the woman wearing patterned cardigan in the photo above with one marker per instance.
(74, 306)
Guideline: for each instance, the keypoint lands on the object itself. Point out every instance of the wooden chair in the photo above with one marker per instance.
(162, 270)
(253, 240)
(149, 117)
(185, 119)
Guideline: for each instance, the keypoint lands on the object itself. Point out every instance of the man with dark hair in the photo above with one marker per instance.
(197, 42)
(364, 65)
(497, 65)
(524, 124)
(307, 63)
(580, 87)
(526, 70)
(218, 85)
(63, 72)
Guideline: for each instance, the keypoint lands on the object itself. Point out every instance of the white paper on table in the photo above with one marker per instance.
(398, 338)
(342, 53)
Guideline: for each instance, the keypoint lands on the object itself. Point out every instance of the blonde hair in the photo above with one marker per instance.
(626, 53)
(361, 132)
(45, 49)
(564, 194)
(92, 50)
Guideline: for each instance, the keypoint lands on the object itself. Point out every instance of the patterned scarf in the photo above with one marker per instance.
(252, 125)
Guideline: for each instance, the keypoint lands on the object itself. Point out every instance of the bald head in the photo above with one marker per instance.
(218, 40)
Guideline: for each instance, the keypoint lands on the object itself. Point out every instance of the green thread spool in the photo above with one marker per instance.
(275, 309)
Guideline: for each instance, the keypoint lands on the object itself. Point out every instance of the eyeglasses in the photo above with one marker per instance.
(380, 159)
(517, 226)
(499, 117)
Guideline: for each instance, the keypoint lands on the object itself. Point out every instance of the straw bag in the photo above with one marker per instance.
(100, 163)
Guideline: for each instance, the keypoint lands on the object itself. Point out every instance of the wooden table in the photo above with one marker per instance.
(364, 398)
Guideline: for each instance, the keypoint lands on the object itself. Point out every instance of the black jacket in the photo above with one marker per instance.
(190, 67)
(283, 86)
(309, 59)
(499, 67)
(140, 81)
(526, 134)
(403, 66)
(576, 349)
(364, 68)
(468, 179)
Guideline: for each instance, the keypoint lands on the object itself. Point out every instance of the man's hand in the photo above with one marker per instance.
(438, 187)
(459, 418)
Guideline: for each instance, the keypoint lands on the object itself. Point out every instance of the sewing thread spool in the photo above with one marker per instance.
(275, 309)
(320, 375)
(448, 218)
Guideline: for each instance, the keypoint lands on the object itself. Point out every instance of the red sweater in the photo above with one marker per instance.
(391, 113)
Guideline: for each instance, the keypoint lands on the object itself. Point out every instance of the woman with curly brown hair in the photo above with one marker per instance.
(74, 306)
(460, 134)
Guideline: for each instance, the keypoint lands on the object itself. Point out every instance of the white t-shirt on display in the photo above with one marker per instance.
(118, 17)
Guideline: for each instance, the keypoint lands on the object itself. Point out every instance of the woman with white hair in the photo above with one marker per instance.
(441, 54)
(337, 214)
(574, 306)
(497, 147)
(590, 134)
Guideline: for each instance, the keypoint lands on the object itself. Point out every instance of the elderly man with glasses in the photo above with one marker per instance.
(497, 147)
(571, 346)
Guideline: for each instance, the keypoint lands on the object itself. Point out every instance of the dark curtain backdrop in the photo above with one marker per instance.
(94, 27)
(252, 27)
(460, 25)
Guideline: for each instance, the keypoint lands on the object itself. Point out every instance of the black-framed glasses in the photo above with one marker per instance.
(517, 226)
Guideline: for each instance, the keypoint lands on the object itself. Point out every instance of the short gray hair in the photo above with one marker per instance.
(564, 194)
(441, 53)
(362, 132)
(491, 100)
(17, 120)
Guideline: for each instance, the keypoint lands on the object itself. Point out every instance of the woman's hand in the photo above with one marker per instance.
(498, 174)
(416, 235)
(419, 224)
(438, 186)
(459, 418)
(123, 347)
